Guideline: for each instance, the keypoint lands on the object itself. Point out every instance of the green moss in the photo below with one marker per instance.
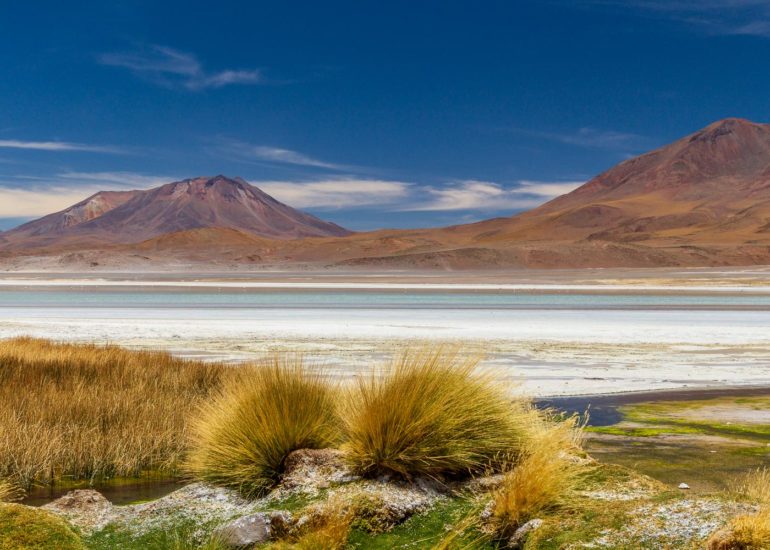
(23, 527)
(184, 536)
(293, 503)
(634, 431)
(428, 529)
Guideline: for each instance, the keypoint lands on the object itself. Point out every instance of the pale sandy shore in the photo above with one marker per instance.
(672, 278)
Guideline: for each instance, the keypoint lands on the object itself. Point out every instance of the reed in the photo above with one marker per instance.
(9, 492)
(73, 411)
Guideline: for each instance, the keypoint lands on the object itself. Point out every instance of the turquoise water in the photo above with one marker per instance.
(227, 298)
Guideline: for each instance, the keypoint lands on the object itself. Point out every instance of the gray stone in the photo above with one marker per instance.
(245, 531)
(281, 523)
(519, 538)
(84, 508)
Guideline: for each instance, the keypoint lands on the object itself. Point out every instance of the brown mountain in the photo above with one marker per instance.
(701, 201)
(135, 216)
(710, 187)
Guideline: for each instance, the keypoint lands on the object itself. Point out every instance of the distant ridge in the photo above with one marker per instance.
(703, 200)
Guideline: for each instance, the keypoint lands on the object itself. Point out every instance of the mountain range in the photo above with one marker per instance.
(703, 200)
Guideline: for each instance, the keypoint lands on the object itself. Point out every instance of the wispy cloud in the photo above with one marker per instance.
(337, 193)
(123, 180)
(250, 153)
(170, 67)
(58, 146)
(547, 189)
(287, 156)
(23, 196)
(718, 17)
(489, 196)
(592, 138)
(29, 197)
(36, 202)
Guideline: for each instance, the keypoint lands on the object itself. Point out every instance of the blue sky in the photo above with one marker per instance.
(370, 114)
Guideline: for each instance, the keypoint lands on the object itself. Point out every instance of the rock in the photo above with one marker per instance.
(281, 523)
(308, 470)
(245, 531)
(684, 486)
(83, 508)
(519, 538)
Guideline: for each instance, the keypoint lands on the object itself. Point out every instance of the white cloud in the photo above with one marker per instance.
(26, 197)
(599, 139)
(716, 17)
(336, 193)
(547, 189)
(240, 151)
(287, 156)
(123, 180)
(22, 196)
(57, 146)
(484, 195)
(592, 138)
(170, 67)
(35, 202)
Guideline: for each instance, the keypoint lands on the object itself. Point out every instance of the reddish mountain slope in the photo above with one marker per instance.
(136, 216)
(711, 187)
(59, 223)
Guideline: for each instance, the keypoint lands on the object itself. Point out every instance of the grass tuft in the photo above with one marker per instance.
(10, 492)
(429, 414)
(93, 412)
(242, 437)
(748, 531)
(755, 486)
(544, 477)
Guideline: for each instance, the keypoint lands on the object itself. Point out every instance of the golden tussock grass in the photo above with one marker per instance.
(748, 531)
(85, 411)
(543, 477)
(241, 438)
(429, 414)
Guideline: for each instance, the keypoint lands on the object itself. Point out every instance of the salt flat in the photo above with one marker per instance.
(554, 339)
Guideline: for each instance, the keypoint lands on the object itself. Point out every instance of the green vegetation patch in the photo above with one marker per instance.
(185, 535)
(453, 522)
(23, 527)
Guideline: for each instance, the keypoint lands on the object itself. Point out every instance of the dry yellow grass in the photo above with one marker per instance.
(329, 531)
(429, 414)
(241, 438)
(544, 475)
(748, 531)
(755, 486)
(84, 411)
(9, 492)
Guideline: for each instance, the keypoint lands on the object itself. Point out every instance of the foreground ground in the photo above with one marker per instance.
(705, 443)
(657, 472)
(613, 508)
